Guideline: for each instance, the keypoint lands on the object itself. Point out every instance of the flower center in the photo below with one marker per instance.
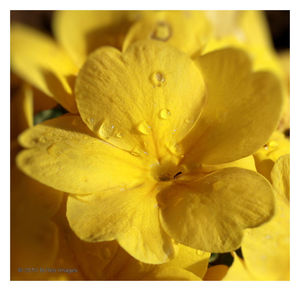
(165, 171)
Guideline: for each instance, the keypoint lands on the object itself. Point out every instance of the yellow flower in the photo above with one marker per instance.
(266, 249)
(150, 118)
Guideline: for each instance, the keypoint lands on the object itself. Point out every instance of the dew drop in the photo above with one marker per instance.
(162, 31)
(164, 114)
(119, 135)
(42, 139)
(106, 131)
(52, 150)
(158, 79)
(135, 152)
(176, 149)
(144, 128)
(198, 252)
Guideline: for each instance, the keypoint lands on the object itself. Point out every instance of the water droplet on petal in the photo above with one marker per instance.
(119, 135)
(144, 128)
(162, 31)
(158, 79)
(42, 139)
(199, 253)
(135, 152)
(53, 150)
(106, 131)
(176, 149)
(164, 114)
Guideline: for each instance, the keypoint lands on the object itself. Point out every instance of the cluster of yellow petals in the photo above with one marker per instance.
(165, 155)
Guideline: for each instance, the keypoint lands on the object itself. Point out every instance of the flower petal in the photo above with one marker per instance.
(34, 237)
(65, 155)
(186, 30)
(249, 26)
(238, 271)
(192, 260)
(42, 63)
(164, 273)
(266, 249)
(241, 112)
(140, 100)
(280, 176)
(215, 209)
(81, 32)
(21, 110)
(278, 145)
(128, 215)
(216, 273)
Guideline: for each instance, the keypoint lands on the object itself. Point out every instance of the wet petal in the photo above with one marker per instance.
(65, 155)
(140, 100)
